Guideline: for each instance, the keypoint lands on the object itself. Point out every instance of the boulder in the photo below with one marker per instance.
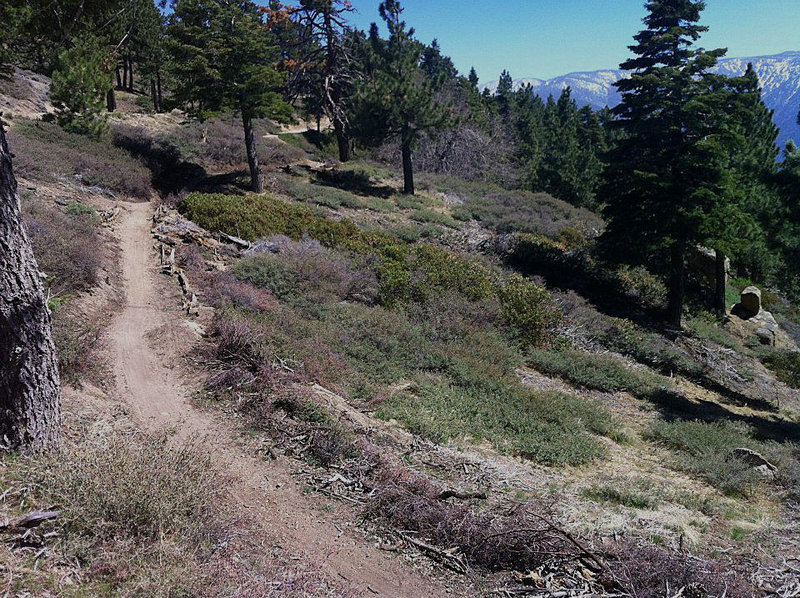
(749, 305)
(756, 460)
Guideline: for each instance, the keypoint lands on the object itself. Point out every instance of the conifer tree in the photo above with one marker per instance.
(473, 78)
(397, 99)
(79, 88)
(223, 58)
(663, 177)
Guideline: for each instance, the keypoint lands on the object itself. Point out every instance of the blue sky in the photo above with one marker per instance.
(546, 38)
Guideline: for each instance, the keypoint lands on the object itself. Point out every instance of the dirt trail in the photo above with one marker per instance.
(267, 493)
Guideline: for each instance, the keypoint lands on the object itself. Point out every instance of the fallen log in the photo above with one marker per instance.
(445, 494)
(28, 521)
(238, 241)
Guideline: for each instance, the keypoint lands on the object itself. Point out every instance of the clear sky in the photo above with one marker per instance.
(547, 38)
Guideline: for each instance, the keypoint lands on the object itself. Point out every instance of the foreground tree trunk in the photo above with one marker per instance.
(111, 100)
(342, 141)
(30, 390)
(720, 278)
(408, 170)
(677, 284)
(252, 156)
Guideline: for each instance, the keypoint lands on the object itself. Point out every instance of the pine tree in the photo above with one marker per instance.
(473, 78)
(663, 178)
(223, 57)
(397, 99)
(79, 88)
(30, 390)
(13, 19)
(504, 94)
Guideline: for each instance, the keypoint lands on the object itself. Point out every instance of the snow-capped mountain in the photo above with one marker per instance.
(779, 76)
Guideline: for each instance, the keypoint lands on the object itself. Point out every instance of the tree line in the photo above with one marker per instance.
(687, 158)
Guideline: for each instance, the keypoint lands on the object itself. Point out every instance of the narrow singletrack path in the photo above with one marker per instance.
(265, 492)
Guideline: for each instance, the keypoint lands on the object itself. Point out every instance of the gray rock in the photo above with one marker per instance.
(750, 304)
(756, 460)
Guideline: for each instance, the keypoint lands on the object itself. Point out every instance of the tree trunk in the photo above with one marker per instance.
(252, 156)
(119, 77)
(720, 277)
(30, 390)
(124, 74)
(677, 283)
(341, 140)
(111, 100)
(408, 170)
(154, 95)
(130, 75)
(158, 87)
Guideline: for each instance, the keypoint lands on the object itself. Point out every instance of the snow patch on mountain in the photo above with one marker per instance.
(779, 76)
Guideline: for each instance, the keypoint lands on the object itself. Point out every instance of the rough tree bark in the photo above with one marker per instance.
(30, 390)
(252, 157)
(408, 170)
(111, 100)
(720, 277)
(677, 283)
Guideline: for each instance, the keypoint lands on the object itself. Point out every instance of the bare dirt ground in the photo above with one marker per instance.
(267, 493)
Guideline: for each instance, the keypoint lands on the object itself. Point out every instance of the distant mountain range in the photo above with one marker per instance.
(779, 76)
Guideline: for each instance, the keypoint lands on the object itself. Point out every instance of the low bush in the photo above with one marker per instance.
(254, 216)
(549, 428)
(323, 195)
(636, 494)
(67, 246)
(139, 485)
(45, 151)
(406, 273)
(600, 372)
(520, 211)
(786, 367)
(431, 217)
(78, 343)
(706, 448)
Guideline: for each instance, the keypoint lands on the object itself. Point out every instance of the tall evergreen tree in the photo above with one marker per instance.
(80, 86)
(397, 99)
(663, 176)
(223, 56)
(473, 78)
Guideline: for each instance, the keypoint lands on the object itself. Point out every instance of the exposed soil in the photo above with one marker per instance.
(269, 496)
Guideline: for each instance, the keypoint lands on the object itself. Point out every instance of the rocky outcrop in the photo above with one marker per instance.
(750, 319)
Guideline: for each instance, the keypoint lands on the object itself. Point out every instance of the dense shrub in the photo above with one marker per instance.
(786, 366)
(322, 195)
(601, 372)
(519, 211)
(706, 448)
(252, 217)
(407, 272)
(67, 246)
(45, 151)
(549, 428)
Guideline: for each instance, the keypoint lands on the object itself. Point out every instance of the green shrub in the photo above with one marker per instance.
(707, 326)
(426, 215)
(706, 448)
(255, 216)
(406, 273)
(78, 209)
(601, 372)
(322, 195)
(786, 367)
(378, 204)
(528, 308)
(641, 286)
(636, 494)
(549, 428)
